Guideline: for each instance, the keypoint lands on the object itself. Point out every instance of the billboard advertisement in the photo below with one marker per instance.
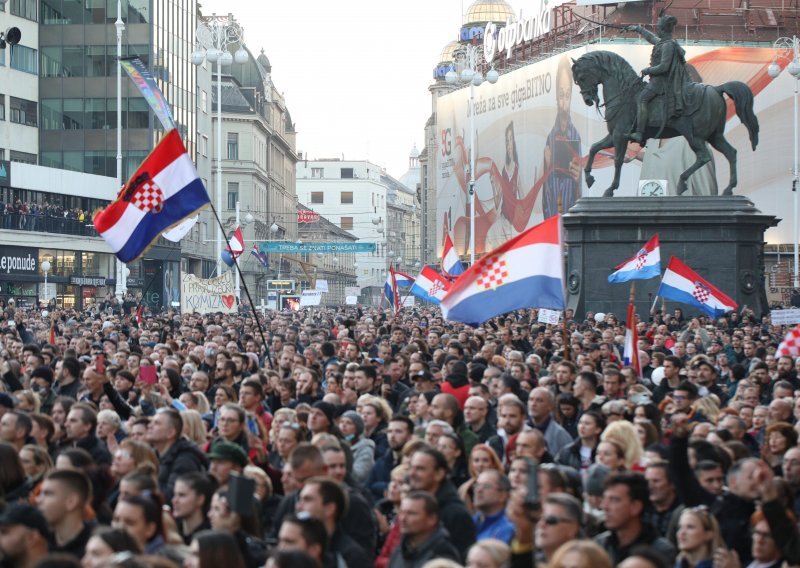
(533, 132)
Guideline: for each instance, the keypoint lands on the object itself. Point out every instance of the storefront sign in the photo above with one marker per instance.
(317, 247)
(23, 289)
(208, 295)
(86, 281)
(280, 285)
(19, 260)
(307, 216)
(515, 33)
(135, 282)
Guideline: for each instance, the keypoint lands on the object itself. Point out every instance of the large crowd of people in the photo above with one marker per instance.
(353, 438)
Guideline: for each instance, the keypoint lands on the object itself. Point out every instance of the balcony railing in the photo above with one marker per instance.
(48, 224)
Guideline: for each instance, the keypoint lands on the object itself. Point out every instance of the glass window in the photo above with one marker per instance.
(73, 114)
(51, 65)
(316, 172)
(204, 145)
(73, 161)
(138, 11)
(347, 173)
(100, 162)
(138, 113)
(24, 9)
(96, 11)
(50, 159)
(23, 157)
(52, 118)
(75, 13)
(347, 198)
(73, 60)
(95, 113)
(25, 59)
(317, 197)
(2, 107)
(23, 111)
(346, 223)
(233, 145)
(96, 63)
(233, 194)
(203, 101)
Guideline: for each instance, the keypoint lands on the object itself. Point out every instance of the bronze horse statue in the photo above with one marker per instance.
(703, 119)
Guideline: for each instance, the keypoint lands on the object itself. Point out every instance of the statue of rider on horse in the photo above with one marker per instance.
(668, 106)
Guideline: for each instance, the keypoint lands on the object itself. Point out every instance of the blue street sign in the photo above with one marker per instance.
(327, 248)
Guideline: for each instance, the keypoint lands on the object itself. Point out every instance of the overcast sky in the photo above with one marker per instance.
(355, 73)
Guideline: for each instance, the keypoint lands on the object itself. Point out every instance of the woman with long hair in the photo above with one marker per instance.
(244, 528)
(131, 456)
(698, 537)
(482, 458)
(61, 407)
(452, 446)
(211, 549)
(624, 434)
(14, 483)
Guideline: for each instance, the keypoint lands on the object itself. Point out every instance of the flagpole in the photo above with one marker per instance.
(653, 307)
(567, 356)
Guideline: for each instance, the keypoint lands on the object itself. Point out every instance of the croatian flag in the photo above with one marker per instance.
(682, 284)
(525, 272)
(646, 264)
(390, 290)
(162, 193)
(451, 264)
(261, 257)
(430, 286)
(402, 279)
(630, 353)
(236, 243)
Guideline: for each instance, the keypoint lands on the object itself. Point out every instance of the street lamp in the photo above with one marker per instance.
(122, 280)
(468, 59)
(214, 35)
(46, 268)
(782, 46)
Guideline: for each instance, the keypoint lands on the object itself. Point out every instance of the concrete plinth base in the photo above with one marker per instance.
(721, 238)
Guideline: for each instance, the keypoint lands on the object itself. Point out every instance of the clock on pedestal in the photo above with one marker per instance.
(653, 187)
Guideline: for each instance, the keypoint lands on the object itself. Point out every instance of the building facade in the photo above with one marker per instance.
(19, 84)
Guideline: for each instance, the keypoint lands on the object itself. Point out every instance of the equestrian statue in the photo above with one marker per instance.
(667, 106)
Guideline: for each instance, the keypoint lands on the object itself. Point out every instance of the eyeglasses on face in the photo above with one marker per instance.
(552, 520)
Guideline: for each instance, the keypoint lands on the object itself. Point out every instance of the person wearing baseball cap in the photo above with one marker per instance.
(23, 535)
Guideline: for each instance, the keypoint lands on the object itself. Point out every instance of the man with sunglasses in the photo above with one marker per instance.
(559, 523)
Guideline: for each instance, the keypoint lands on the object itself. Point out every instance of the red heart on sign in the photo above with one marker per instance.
(228, 300)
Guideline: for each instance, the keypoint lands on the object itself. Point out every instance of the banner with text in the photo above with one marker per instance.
(317, 247)
(208, 295)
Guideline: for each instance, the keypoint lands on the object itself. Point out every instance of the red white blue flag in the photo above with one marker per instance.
(451, 264)
(430, 286)
(163, 192)
(630, 353)
(682, 284)
(236, 243)
(525, 272)
(645, 264)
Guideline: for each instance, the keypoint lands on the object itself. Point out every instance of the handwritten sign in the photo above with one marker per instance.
(208, 296)
(785, 317)
(549, 316)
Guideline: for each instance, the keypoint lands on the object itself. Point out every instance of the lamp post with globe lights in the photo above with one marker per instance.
(788, 49)
(214, 36)
(46, 266)
(467, 58)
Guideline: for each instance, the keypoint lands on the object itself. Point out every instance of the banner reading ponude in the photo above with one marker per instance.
(208, 296)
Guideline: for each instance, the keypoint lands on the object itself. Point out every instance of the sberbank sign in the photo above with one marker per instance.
(515, 33)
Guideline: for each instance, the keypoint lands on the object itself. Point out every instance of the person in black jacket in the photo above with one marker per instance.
(580, 454)
(177, 455)
(79, 428)
(428, 472)
(423, 536)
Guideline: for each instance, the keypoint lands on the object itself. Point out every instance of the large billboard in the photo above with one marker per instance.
(533, 133)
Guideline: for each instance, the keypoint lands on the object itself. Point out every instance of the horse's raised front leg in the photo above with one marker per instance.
(606, 142)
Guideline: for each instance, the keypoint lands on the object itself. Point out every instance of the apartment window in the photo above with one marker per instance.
(24, 9)
(25, 59)
(347, 173)
(233, 145)
(204, 101)
(22, 157)
(316, 173)
(204, 145)
(316, 197)
(346, 223)
(233, 194)
(23, 111)
(2, 107)
(347, 198)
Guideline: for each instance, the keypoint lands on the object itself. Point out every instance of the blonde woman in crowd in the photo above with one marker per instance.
(624, 434)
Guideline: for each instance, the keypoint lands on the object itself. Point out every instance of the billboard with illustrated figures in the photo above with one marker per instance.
(533, 132)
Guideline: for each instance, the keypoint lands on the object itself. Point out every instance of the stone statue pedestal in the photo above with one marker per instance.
(720, 238)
